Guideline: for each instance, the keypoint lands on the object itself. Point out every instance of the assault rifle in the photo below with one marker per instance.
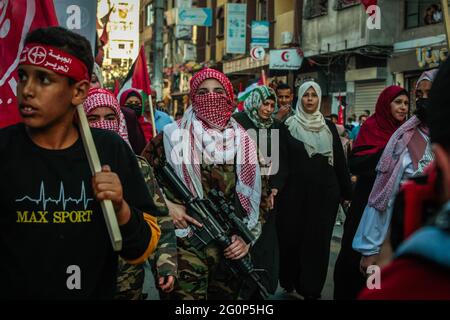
(218, 220)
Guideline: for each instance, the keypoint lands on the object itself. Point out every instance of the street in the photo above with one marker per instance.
(327, 292)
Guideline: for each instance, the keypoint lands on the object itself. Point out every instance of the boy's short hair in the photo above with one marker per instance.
(283, 86)
(362, 116)
(65, 40)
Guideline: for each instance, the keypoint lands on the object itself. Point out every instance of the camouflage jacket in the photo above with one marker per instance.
(164, 259)
(220, 177)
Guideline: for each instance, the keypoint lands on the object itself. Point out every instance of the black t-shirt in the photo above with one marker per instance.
(52, 230)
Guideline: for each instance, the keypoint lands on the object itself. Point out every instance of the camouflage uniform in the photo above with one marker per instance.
(202, 274)
(130, 279)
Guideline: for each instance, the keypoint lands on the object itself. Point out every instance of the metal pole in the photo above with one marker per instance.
(446, 20)
(158, 29)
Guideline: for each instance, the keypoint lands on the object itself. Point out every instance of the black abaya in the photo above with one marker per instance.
(310, 190)
(348, 281)
(265, 252)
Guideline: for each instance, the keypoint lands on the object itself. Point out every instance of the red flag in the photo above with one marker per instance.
(263, 80)
(368, 3)
(341, 111)
(138, 76)
(17, 18)
(141, 78)
(104, 38)
(100, 56)
(116, 88)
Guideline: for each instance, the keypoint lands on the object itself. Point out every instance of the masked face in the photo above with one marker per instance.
(135, 104)
(422, 105)
(213, 108)
(212, 105)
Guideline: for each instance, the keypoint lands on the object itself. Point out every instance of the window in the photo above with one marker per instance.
(342, 4)
(121, 46)
(420, 13)
(149, 15)
(262, 10)
(316, 8)
(220, 22)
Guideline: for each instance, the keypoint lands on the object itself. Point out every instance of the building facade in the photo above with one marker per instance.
(123, 33)
(351, 53)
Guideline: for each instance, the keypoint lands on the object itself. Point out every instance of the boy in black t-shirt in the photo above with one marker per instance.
(53, 236)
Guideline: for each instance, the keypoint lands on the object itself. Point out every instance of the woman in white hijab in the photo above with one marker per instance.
(312, 179)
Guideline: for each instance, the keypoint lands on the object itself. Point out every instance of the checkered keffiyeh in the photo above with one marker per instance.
(215, 145)
(212, 108)
(103, 98)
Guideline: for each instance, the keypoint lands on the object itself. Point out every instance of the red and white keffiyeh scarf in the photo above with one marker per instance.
(208, 133)
(212, 108)
(189, 141)
(98, 98)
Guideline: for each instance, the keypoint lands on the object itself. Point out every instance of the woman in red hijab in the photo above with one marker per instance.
(390, 113)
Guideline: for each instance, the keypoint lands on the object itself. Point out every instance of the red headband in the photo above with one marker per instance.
(55, 60)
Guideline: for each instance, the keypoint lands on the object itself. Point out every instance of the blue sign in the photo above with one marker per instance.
(260, 34)
(195, 17)
(236, 28)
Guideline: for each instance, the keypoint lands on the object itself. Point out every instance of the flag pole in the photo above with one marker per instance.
(263, 75)
(152, 115)
(446, 20)
(94, 163)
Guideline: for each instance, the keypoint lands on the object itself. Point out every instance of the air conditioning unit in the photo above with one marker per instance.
(286, 37)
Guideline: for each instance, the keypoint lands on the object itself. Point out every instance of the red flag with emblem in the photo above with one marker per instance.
(17, 18)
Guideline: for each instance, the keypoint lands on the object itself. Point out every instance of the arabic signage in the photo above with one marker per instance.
(428, 57)
(287, 59)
